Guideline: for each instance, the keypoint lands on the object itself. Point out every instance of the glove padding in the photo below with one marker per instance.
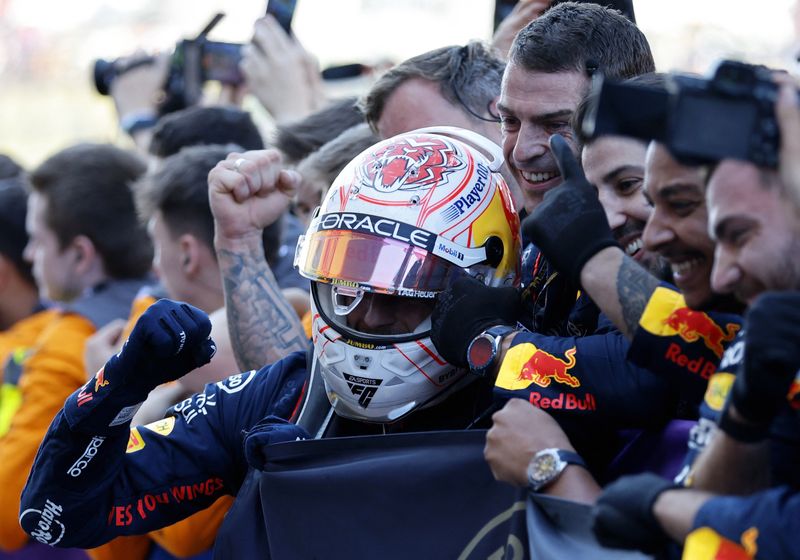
(771, 357)
(169, 340)
(465, 310)
(570, 225)
(271, 429)
(623, 516)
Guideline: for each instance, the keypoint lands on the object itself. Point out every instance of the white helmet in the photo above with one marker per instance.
(405, 218)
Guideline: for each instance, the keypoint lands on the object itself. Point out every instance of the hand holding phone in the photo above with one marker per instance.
(283, 12)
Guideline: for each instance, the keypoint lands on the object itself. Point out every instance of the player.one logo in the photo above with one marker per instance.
(47, 529)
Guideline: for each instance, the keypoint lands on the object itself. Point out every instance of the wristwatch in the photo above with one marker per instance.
(483, 350)
(548, 464)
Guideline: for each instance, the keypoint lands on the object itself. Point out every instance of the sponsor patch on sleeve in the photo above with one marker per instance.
(135, 441)
(162, 427)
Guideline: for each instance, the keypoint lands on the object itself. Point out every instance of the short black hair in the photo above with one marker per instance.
(88, 192)
(9, 168)
(179, 190)
(575, 35)
(197, 126)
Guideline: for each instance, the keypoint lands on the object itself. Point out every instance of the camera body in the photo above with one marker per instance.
(701, 121)
(193, 63)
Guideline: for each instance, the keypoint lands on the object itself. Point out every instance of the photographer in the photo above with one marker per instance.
(755, 446)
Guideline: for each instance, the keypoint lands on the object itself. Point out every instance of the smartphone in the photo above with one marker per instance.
(220, 62)
(282, 11)
(501, 10)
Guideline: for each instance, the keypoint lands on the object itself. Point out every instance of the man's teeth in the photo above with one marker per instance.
(684, 267)
(538, 177)
(633, 247)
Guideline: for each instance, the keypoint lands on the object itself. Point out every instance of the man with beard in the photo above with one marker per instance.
(754, 450)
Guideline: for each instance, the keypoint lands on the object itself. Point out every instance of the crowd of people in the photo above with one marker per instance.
(410, 324)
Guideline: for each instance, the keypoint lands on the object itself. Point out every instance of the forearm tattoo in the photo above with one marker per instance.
(262, 324)
(634, 287)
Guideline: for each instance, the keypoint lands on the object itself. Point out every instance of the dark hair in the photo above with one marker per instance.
(13, 237)
(468, 76)
(88, 190)
(654, 80)
(298, 139)
(330, 159)
(179, 190)
(9, 168)
(198, 126)
(583, 37)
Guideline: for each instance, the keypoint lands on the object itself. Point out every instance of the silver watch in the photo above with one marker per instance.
(548, 464)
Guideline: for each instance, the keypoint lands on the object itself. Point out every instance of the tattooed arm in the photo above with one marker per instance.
(620, 287)
(247, 192)
(262, 324)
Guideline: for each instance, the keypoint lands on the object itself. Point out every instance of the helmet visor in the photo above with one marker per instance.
(377, 264)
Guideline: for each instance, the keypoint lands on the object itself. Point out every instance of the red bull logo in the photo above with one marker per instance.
(794, 394)
(99, 379)
(542, 368)
(692, 326)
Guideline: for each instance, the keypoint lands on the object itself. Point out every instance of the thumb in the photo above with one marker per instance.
(567, 164)
(289, 181)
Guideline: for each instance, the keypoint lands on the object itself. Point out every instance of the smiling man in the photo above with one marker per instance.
(549, 70)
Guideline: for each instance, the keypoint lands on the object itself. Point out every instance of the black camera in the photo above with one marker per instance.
(194, 62)
(701, 121)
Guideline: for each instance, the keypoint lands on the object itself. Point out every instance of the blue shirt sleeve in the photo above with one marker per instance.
(767, 522)
(84, 490)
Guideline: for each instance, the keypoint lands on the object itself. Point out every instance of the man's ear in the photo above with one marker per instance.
(85, 254)
(189, 254)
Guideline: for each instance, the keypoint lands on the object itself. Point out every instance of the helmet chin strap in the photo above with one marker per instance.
(316, 413)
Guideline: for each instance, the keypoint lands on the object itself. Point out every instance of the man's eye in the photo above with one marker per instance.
(508, 123)
(629, 186)
(683, 207)
(556, 126)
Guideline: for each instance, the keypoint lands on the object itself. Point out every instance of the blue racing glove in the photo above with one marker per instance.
(169, 340)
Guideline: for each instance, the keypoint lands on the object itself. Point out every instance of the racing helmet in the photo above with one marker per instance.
(403, 220)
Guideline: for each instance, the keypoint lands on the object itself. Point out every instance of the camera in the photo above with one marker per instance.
(731, 114)
(194, 62)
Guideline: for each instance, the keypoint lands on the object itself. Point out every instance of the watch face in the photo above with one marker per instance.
(543, 467)
(481, 352)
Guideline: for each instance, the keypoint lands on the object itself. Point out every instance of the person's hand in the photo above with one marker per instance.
(788, 114)
(570, 225)
(771, 360)
(102, 345)
(624, 517)
(519, 431)
(280, 73)
(138, 90)
(523, 13)
(169, 340)
(249, 191)
(465, 310)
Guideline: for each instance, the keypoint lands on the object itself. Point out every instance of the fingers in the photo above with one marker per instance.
(567, 164)
(249, 174)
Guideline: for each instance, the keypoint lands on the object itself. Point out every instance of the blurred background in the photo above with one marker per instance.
(47, 48)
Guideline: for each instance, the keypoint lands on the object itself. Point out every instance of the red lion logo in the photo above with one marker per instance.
(410, 164)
